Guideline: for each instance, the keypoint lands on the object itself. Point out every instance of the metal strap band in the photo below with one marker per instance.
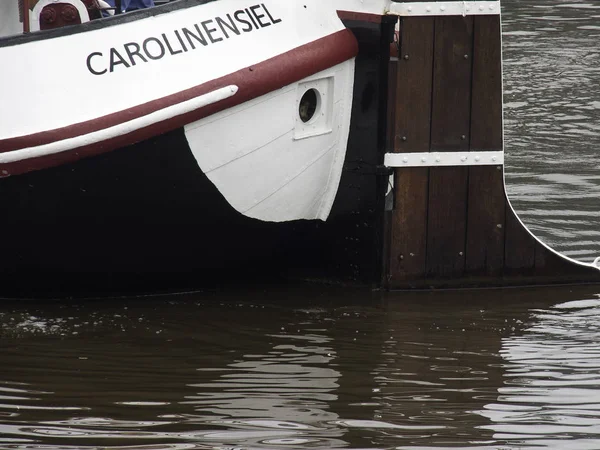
(464, 8)
(441, 159)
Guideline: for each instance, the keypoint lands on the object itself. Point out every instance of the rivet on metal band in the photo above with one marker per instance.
(463, 8)
(441, 159)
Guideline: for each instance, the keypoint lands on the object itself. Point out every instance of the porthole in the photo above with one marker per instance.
(313, 108)
(309, 104)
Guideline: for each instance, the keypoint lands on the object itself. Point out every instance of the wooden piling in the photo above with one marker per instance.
(452, 225)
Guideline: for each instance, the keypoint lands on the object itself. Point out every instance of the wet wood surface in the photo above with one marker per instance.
(454, 226)
(412, 133)
(486, 221)
(450, 122)
(486, 202)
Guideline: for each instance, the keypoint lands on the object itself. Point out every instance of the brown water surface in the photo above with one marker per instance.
(310, 368)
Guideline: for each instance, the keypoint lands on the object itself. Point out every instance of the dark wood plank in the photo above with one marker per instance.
(486, 110)
(549, 264)
(486, 208)
(519, 247)
(555, 268)
(486, 222)
(447, 222)
(409, 227)
(391, 107)
(528, 261)
(451, 104)
(414, 82)
(411, 134)
(450, 122)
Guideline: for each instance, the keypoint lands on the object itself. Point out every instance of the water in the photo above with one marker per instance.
(311, 369)
(321, 368)
(552, 120)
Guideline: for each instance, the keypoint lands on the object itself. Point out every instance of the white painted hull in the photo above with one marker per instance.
(106, 87)
(264, 161)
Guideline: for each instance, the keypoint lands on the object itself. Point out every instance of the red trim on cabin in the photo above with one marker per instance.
(254, 81)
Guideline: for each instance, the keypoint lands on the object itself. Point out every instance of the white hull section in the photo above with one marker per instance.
(148, 120)
(104, 84)
(91, 74)
(266, 161)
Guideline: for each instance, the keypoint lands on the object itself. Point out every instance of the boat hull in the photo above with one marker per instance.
(240, 192)
(144, 217)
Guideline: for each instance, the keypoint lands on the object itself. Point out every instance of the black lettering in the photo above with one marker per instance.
(237, 17)
(135, 52)
(210, 31)
(231, 25)
(160, 46)
(168, 44)
(251, 18)
(180, 41)
(89, 64)
(273, 21)
(200, 38)
(206, 32)
(259, 16)
(116, 59)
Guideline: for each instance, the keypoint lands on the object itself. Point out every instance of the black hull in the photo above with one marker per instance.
(145, 218)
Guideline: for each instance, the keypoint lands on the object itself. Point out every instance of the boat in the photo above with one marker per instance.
(203, 142)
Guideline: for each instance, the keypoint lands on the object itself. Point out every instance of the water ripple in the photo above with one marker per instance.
(552, 120)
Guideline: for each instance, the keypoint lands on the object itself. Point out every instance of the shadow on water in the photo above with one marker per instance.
(310, 368)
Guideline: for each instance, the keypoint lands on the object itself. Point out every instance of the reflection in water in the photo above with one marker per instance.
(551, 396)
(278, 397)
(552, 120)
(284, 380)
(184, 373)
(475, 369)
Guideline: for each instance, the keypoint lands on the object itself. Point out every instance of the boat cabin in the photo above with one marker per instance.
(51, 14)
